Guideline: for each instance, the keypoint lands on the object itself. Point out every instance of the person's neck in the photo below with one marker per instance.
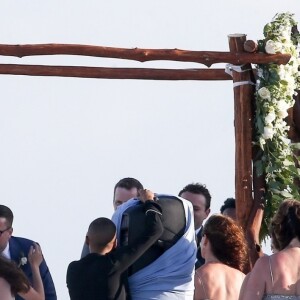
(294, 243)
(102, 251)
(210, 258)
(198, 229)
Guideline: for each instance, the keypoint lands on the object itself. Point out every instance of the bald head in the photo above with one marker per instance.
(101, 234)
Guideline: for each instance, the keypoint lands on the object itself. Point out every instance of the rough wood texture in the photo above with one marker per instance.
(204, 57)
(243, 111)
(293, 120)
(250, 46)
(115, 73)
(243, 136)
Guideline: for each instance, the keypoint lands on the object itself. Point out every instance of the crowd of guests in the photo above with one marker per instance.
(193, 261)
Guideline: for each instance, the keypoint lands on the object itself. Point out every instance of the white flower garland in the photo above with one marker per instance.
(276, 87)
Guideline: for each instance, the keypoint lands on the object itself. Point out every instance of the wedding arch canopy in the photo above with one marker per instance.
(249, 187)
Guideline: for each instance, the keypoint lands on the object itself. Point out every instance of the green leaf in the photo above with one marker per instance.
(286, 194)
(295, 146)
(260, 124)
(276, 197)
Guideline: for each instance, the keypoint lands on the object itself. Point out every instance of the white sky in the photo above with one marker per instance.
(65, 142)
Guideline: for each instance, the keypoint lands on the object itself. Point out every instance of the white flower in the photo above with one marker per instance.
(285, 140)
(282, 107)
(273, 47)
(279, 91)
(281, 125)
(293, 65)
(23, 261)
(286, 33)
(281, 71)
(262, 142)
(290, 90)
(270, 117)
(268, 132)
(260, 72)
(270, 47)
(264, 93)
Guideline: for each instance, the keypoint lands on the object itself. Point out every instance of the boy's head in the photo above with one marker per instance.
(101, 236)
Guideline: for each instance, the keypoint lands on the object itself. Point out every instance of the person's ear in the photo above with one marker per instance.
(87, 240)
(10, 232)
(204, 240)
(207, 212)
(115, 243)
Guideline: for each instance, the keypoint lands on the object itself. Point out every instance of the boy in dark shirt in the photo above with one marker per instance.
(101, 274)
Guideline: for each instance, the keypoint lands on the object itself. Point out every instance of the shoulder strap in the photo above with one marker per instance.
(271, 273)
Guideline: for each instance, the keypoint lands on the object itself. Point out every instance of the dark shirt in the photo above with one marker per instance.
(200, 260)
(103, 277)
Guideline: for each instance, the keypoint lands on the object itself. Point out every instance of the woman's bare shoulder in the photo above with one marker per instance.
(206, 271)
(261, 264)
(210, 269)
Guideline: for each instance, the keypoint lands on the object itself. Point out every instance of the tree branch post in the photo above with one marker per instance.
(243, 83)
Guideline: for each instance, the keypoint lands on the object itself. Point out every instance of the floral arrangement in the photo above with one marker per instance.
(275, 87)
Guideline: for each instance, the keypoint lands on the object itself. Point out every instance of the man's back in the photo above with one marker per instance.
(170, 275)
(95, 277)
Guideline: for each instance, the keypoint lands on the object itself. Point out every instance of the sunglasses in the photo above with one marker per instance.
(2, 231)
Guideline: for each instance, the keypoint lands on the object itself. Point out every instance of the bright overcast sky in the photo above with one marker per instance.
(65, 142)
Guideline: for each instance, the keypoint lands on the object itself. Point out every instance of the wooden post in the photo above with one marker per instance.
(243, 123)
(243, 134)
(293, 120)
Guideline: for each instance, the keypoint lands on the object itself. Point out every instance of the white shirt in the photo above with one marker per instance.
(5, 253)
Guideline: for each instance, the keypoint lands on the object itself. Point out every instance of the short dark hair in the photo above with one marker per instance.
(198, 188)
(5, 212)
(228, 203)
(128, 183)
(285, 224)
(101, 232)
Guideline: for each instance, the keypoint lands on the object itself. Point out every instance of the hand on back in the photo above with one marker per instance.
(35, 256)
(145, 195)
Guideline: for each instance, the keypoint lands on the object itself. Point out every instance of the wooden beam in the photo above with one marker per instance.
(204, 57)
(243, 122)
(243, 96)
(115, 73)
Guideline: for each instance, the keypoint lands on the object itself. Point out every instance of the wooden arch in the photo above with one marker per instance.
(249, 189)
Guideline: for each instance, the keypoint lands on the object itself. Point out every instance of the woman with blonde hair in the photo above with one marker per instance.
(277, 276)
(13, 281)
(224, 248)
